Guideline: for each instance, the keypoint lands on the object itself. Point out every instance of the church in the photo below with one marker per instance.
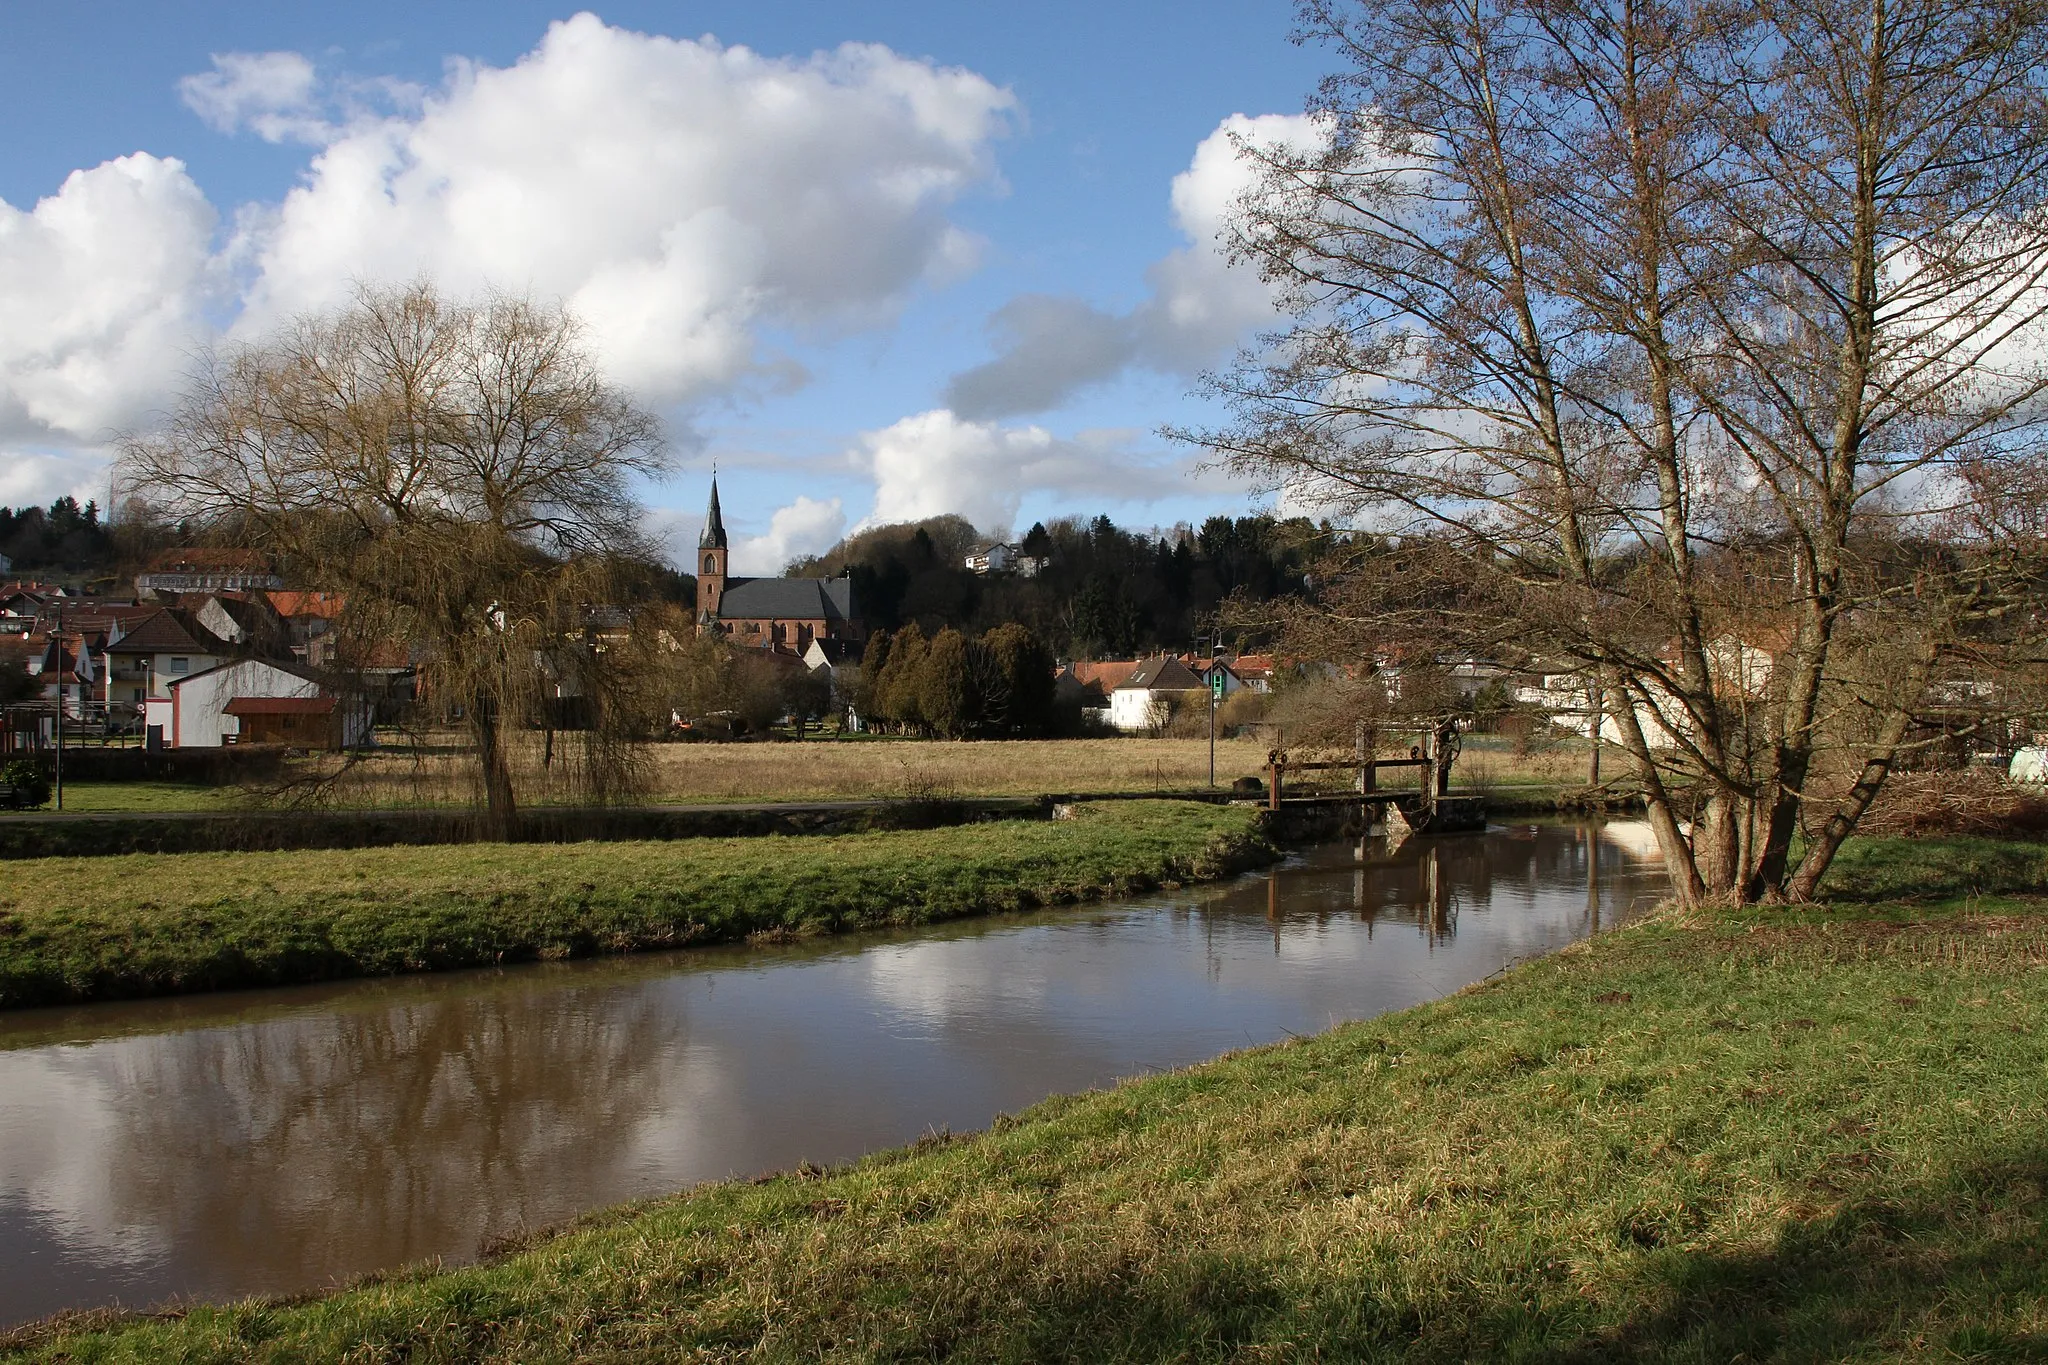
(783, 614)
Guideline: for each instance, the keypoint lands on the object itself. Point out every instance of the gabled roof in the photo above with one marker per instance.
(167, 632)
(787, 599)
(1163, 674)
(324, 605)
(837, 653)
(1105, 674)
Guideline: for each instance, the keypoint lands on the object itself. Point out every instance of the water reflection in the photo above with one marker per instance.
(273, 1141)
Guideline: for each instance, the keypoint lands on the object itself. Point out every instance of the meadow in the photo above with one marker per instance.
(1794, 1134)
(825, 770)
(74, 929)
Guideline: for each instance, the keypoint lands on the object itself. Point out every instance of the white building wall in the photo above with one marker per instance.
(199, 710)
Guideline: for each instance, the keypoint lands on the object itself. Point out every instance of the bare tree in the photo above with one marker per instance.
(1679, 344)
(459, 471)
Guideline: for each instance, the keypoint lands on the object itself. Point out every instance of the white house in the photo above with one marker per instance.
(1002, 559)
(217, 707)
(1136, 703)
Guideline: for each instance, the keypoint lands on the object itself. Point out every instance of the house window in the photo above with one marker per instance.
(179, 665)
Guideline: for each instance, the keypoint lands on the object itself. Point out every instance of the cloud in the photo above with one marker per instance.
(1051, 346)
(682, 197)
(805, 527)
(938, 462)
(269, 93)
(678, 195)
(105, 281)
(1199, 307)
(32, 480)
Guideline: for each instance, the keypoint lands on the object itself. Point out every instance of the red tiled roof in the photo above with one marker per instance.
(280, 706)
(325, 605)
(1107, 674)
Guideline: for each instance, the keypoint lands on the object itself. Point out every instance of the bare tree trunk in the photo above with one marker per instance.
(501, 811)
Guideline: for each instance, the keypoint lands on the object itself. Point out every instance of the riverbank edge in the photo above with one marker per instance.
(688, 894)
(1540, 1164)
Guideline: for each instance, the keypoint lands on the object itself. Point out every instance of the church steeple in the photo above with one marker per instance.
(714, 524)
(711, 560)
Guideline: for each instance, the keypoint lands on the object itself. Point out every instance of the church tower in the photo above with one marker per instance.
(711, 553)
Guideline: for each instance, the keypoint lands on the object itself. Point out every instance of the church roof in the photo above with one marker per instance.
(787, 599)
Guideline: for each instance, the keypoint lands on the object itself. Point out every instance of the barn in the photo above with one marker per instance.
(260, 701)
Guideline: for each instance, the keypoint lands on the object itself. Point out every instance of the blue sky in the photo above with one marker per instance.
(966, 266)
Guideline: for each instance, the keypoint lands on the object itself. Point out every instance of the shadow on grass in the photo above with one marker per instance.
(1958, 1268)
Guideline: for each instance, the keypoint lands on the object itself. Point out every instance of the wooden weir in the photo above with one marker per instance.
(1433, 757)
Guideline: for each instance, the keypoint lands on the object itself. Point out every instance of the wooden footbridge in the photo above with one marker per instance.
(1431, 803)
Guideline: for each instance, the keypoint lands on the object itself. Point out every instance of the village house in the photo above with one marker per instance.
(1088, 683)
(783, 614)
(151, 653)
(1142, 702)
(1000, 558)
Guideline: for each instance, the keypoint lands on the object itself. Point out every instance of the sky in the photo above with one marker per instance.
(874, 261)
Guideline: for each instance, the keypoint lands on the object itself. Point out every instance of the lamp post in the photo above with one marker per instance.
(59, 766)
(1215, 681)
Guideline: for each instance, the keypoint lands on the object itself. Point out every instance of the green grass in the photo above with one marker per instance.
(128, 798)
(1793, 1136)
(1935, 869)
(150, 924)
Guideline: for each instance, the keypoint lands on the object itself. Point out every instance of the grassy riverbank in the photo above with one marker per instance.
(148, 924)
(1808, 1134)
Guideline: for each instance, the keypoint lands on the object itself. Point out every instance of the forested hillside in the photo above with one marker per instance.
(1100, 591)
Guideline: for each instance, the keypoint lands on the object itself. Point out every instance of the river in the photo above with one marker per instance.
(267, 1142)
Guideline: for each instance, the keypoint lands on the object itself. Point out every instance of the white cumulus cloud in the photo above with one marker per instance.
(677, 195)
(938, 462)
(1200, 305)
(104, 283)
(807, 526)
(682, 197)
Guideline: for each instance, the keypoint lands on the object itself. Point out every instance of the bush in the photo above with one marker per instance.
(31, 784)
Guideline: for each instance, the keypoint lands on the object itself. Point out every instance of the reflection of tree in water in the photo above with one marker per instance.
(282, 1154)
(1426, 883)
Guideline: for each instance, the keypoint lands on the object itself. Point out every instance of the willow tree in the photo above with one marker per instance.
(460, 471)
(1688, 346)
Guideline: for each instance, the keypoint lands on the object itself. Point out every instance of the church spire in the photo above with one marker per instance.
(714, 524)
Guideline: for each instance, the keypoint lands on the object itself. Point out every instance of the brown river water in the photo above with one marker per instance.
(280, 1141)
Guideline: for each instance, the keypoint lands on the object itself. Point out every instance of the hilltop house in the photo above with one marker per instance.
(784, 614)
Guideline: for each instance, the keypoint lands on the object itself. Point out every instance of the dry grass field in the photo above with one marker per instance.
(827, 770)
(833, 769)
